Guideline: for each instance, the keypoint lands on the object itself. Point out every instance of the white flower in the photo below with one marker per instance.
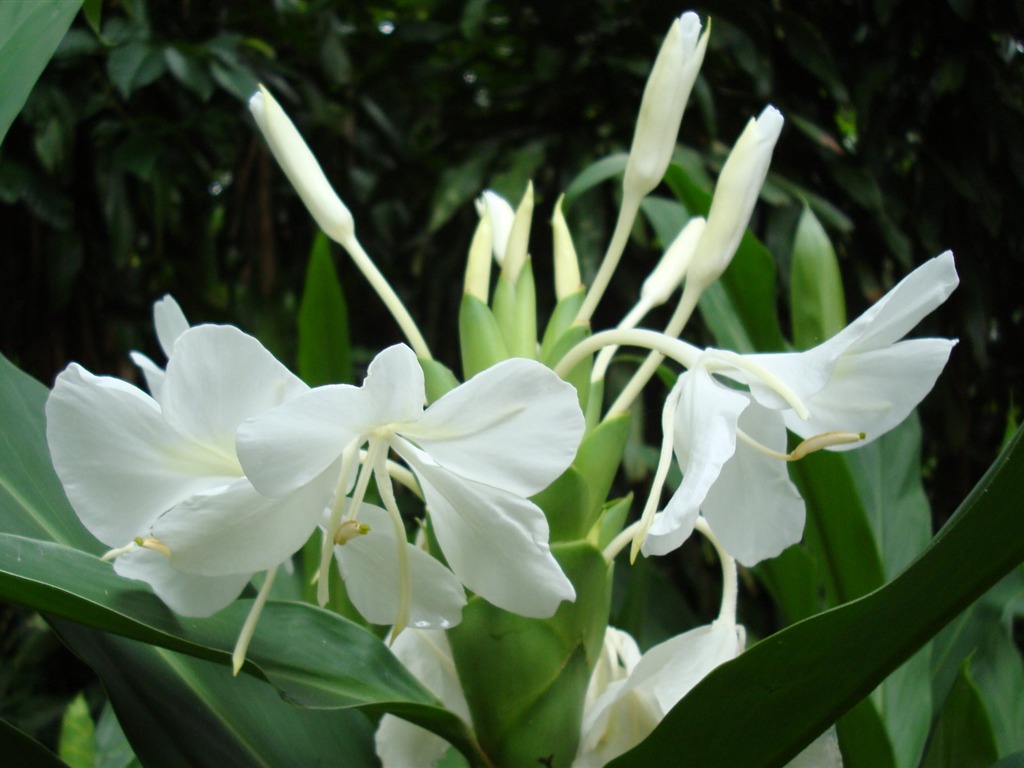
(162, 471)
(625, 706)
(478, 453)
(728, 442)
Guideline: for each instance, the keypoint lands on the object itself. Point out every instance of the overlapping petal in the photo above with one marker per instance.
(121, 464)
(217, 377)
(187, 594)
(394, 387)
(237, 530)
(705, 439)
(369, 566)
(286, 447)
(515, 426)
(496, 542)
(753, 507)
(874, 390)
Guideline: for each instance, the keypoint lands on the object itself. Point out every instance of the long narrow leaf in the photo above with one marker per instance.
(764, 707)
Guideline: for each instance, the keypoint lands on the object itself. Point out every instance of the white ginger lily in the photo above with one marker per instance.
(478, 453)
(158, 478)
(843, 393)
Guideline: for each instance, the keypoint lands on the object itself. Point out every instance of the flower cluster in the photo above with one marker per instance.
(230, 463)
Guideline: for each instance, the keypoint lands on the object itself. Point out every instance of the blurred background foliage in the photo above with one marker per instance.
(135, 170)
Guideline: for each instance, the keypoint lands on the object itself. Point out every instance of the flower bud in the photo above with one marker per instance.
(671, 269)
(502, 217)
(518, 245)
(736, 192)
(661, 109)
(478, 266)
(302, 168)
(567, 264)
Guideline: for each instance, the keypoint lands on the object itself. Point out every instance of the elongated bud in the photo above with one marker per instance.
(736, 192)
(519, 238)
(502, 217)
(567, 264)
(664, 100)
(478, 265)
(302, 168)
(671, 269)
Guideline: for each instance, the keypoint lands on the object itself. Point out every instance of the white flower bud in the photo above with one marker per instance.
(661, 109)
(671, 269)
(502, 217)
(736, 192)
(302, 168)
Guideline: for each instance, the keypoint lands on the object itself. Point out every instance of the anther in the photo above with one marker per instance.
(348, 530)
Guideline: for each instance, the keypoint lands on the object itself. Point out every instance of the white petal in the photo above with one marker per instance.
(875, 390)
(152, 372)
(286, 447)
(369, 566)
(669, 670)
(184, 593)
(494, 541)
(894, 315)
(121, 465)
(216, 379)
(515, 426)
(428, 656)
(753, 508)
(170, 323)
(238, 530)
(705, 438)
(394, 387)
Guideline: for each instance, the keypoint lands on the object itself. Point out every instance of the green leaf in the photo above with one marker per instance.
(29, 34)
(480, 339)
(112, 747)
(838, 533)
(816, 303)
(762, 708)
(181, 711)
(93, 12)
(438, 379)
(325, 354)
(32, 501)
(77, 744)
(134, 65)
(863, 739)
(287, 650)
(595, 173)
(962, 737)
(524, 678)
(19, 748)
